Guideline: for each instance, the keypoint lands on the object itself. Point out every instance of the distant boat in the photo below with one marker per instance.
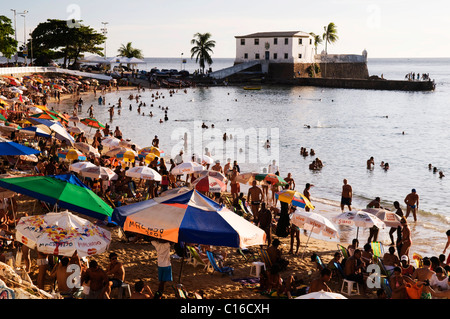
(252, 88)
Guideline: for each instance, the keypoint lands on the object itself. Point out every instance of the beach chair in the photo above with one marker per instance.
(418, 259)
(195, 259)
(320, 263)
(247, 254)
(343, 251)
(386, 287)
(180, 293)
(265, 258)
(383, 269)
(223, 270)
(377, 248)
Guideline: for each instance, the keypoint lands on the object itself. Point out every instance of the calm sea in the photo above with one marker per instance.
(409, 130)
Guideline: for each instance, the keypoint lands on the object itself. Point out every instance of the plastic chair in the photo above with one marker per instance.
(350, 287)
(222, 270)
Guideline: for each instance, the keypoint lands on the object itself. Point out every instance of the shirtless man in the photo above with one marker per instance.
(321, 282)
(423, 273)
(216, 167)
(61, 274)
(255, 197)
(347, 193)
(142, 291)
(412, 204)
(235, 186)
(116, 271)
(307, 194)
(96, 278)
(370, 163)
(290, 181)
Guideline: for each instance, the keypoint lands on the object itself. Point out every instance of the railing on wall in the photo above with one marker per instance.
(43, 69)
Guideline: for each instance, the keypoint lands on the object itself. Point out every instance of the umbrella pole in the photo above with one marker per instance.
(304, 250)
(182, 262)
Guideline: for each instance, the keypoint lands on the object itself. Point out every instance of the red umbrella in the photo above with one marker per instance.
(209, 184)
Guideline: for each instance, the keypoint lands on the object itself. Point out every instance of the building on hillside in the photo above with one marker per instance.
(292, 54)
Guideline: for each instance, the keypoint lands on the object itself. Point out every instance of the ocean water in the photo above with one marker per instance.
(409, 130)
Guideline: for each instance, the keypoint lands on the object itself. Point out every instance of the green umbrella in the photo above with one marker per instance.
(66, 190)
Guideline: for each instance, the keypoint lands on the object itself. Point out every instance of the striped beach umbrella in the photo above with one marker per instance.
(188, 217)
(294, 198)
(91, 122)
(209, 184)
(270, 178)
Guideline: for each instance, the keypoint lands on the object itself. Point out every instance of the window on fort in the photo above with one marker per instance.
(300, 41)
(300, 56)
(242, 41)
(256, 41)
(310, 41)
(275, 56)
(245, 55)
(286, 56)
(257, 56)
(286, 41)
(275, 41)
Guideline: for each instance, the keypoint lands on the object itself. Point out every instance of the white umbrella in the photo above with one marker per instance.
(322, 295)
(143, 172)
(314, 223)
(391, 219)
(215, 174)
(75, 129)
(203, 159)
(114, 151)
(74, 119)
(104, 173)
(358, 219)
(77, 167)
(62, 233)
(187, 168)
(111, 142)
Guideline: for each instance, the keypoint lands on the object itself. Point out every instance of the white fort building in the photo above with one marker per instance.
(292, 54)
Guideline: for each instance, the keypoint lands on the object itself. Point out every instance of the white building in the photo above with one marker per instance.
(275, 47)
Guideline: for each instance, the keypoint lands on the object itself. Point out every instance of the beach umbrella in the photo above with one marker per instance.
(187, 168)
(74, 119)
(71, 155)
(358, 219)
(314, 223)
(246, 178)
(12, 148)
(99, 172)
(78, 166)
(128, 144)
(114, 151)
(111, 142)
(91, 122)
(37, 131)
(188, 217)
(62, 234)
(65, 190)
(29, 158)
(149, 158)
(75, 130)
(45, 115)
(143, 172)
(87, 148)
(390, 219)
(209, 184)
(270, 178)
(294, 198)
(127, 156)
(56, 127)
(218, 175)
(34, 109)
(322, 295)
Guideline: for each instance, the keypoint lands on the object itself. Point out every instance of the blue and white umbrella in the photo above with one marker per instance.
(189, 217)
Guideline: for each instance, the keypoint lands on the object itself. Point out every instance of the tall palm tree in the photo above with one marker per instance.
(202, 49)
(129, 52)
(330, 34)
(317, 40)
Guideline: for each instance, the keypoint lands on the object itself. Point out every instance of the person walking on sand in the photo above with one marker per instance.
(164, 265)
(346, 197)
(412, 204)
(406, 238)
(255, 197)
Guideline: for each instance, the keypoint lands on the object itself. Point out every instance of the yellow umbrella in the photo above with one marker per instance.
(293, 197)
(129, 156)
(149, 158)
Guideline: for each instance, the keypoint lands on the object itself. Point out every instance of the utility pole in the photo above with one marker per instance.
(105, 32)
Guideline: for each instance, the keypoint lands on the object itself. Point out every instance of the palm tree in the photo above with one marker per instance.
(202, 49)
(317, 40)
(330, 34)
(129, 52)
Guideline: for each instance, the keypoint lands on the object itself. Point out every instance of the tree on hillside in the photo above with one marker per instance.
(129, 52)
(8, 45)
(202, 49)
(317, 40)
(330, 34)
(56, 39)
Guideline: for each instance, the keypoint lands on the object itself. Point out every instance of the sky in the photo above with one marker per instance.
(386, 29)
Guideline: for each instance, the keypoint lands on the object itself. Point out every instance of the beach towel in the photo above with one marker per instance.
(248, 282)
